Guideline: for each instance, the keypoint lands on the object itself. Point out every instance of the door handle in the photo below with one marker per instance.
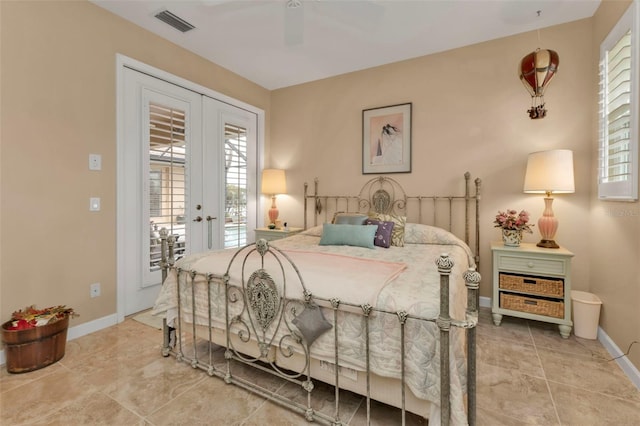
(210, 231)
(198, 219)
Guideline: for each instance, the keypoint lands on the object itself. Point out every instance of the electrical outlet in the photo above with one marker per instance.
(95, 290)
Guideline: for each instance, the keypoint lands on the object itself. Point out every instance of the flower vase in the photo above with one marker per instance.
(511, 237)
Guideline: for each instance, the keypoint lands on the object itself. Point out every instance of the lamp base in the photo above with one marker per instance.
(548, 244)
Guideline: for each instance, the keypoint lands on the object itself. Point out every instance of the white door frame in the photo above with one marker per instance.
(141, 91)
(123, 62)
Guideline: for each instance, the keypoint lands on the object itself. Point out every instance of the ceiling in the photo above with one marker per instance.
(276, 44)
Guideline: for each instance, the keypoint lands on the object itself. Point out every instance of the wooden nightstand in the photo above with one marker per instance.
(275, 234)
(532, 282)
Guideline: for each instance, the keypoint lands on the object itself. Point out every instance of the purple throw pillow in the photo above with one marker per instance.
(383, 234)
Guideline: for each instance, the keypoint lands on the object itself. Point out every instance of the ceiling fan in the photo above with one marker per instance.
(359, 15)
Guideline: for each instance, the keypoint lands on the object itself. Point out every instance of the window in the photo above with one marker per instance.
(618, 154)
(166, 184)
(235, 144)
(155, 193)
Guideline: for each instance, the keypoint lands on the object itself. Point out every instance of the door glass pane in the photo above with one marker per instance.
(166, 183)
(235, 146)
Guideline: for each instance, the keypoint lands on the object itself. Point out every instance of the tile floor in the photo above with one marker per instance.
(527, 375)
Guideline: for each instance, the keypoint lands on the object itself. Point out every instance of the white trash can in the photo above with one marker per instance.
(586, 314)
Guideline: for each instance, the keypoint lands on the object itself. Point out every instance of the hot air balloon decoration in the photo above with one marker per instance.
(536, 71)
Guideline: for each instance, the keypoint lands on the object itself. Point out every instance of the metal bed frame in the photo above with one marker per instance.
(261, 298)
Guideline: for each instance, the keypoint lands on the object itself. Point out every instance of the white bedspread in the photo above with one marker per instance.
(414, 290)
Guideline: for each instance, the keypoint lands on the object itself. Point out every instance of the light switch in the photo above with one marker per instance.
(95, 162)
(94, 204)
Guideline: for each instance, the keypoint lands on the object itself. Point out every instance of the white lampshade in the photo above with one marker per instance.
(274, 182)
(550, 172)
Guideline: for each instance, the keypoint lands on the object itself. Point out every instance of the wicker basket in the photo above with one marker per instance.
(532, 305)
(532, 285)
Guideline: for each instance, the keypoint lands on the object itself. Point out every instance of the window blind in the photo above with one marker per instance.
(166, 182)
(615, 159)
(235, 232)
(618, 162)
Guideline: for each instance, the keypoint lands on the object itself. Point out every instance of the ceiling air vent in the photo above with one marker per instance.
(175, 21)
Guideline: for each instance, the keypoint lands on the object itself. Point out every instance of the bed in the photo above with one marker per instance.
(393, 320)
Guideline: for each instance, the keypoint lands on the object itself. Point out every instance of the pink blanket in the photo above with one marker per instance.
(353, 278)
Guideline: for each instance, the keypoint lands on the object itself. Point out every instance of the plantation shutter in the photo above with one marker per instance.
(618, 112)
(166, 183)
(235, 231)
(618, 155)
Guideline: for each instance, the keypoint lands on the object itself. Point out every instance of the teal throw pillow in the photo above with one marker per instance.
(348, 235)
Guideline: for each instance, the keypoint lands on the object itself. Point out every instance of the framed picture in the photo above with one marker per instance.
(386, 139)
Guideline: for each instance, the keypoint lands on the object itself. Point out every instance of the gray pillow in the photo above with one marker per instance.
(311, 323)
(343, 218)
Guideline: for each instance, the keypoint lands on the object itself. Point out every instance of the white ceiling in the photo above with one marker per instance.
(276, 46)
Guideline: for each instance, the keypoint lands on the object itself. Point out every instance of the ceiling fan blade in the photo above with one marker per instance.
(226, 6)
(363, 15)
(293, 25)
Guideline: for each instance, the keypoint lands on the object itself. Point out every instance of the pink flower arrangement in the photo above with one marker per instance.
(513, 220)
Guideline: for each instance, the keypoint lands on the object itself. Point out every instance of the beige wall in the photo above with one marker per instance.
(58, 105)
(615, 234)
(469, 113)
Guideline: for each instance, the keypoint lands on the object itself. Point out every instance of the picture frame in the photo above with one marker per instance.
(386, 139)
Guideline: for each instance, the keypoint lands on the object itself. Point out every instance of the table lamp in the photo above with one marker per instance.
(273, 183)
(549, 172)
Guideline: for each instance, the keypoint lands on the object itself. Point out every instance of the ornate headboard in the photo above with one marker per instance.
(385, 195)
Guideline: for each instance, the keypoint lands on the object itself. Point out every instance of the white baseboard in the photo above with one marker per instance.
(485, 302)
(629, 369)
(81, 330)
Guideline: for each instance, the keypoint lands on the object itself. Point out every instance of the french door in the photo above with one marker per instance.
(230, 140)
(188, 166)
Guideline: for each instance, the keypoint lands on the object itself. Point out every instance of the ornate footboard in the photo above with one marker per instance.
(267, 319)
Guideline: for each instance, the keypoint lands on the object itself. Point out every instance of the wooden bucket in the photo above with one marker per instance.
(34, 348)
